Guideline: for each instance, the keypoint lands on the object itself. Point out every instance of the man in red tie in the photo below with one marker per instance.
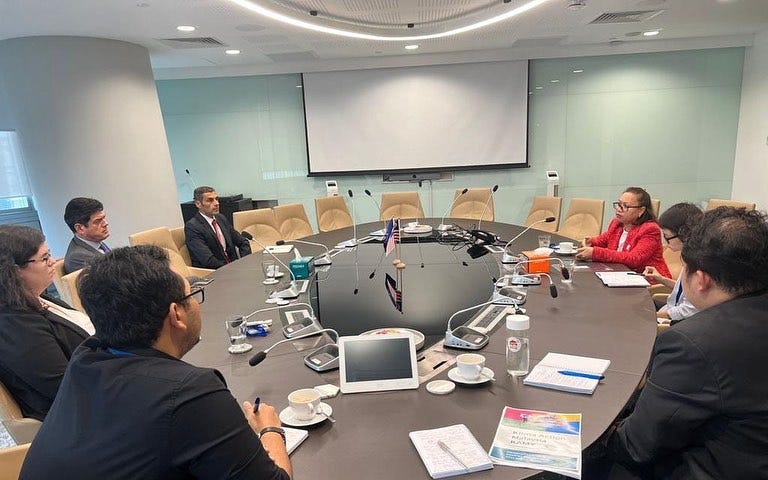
(211, 239)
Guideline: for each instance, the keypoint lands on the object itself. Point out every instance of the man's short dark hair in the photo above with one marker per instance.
(679, 218)
(200, 191)
(127, 293)
(731, 246)
(79, 210)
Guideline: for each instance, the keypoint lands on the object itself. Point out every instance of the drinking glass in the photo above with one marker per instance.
(236, 334)
(269, 267)
(544, 240)
(569, 263)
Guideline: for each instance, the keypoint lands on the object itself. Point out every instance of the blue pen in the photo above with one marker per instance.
(256, 404)
(591, 376)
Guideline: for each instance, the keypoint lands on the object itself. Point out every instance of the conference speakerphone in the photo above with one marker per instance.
(324, 358)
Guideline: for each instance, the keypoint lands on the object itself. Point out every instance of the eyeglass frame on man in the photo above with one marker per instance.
(192, 293)
(624, 207)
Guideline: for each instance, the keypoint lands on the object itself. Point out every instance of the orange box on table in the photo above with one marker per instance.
(539, 262)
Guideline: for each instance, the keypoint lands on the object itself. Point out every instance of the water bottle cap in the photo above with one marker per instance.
(518, 322)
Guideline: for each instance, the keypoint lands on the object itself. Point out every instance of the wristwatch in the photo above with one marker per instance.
(277, 430)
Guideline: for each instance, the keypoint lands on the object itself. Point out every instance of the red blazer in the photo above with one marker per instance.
(642, 247)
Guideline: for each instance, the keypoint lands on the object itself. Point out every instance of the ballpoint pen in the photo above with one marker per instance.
(581, 374)
(447, 450)
(256, 404)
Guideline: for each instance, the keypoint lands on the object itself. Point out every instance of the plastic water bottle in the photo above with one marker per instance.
(518, 346)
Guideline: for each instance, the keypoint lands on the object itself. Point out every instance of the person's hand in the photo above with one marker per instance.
(587, 241)
(584, 253)
(651, 273)
(265, 417)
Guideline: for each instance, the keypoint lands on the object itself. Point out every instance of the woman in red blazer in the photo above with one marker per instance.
(633, 237)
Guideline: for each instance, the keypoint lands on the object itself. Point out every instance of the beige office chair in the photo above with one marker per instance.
(584, 219)
(674, 262)
(162, 237)
(180, 239)
(541, 208)
(11, 460)
(332, 213)
(70, 285)
(21, 429)
(656, 207)
(58, 273)
(292, 221)
(400, 205)
(472, 205)
(260, 223)
(716, 202)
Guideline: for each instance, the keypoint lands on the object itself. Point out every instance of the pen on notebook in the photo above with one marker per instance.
(571, 373)
(256, 404)
(447, 450)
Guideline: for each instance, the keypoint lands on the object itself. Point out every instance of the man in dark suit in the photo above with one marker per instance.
(87, 220)
(211, 239)
(703, 412)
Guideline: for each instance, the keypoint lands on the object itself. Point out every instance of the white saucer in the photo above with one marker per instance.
(418, 229)
(269, 281)
(486, 376)
(279, 274)
(241, 348)
(287, 417)
(566, 254)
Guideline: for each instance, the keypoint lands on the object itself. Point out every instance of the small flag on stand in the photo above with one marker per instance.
(391, 236)
(395, 295)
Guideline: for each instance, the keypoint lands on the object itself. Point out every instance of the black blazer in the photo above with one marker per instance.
(35, 349)
(205, 249)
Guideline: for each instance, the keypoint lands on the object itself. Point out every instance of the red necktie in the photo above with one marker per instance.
(220, 237)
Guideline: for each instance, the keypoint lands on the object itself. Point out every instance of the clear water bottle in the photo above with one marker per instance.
(518, 346)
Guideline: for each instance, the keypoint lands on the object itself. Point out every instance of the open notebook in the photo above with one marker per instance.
(450, 451)
(568, 373)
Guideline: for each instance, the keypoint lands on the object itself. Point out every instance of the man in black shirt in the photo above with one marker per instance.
(129, 408)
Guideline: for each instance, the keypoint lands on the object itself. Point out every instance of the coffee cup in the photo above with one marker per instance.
(565, 247)
(470, 365)
(304, 403)
(413, 224)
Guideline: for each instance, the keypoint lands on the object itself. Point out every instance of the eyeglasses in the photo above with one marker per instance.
(197, 293)
(623, 206)
(46, 258)
(668, 239)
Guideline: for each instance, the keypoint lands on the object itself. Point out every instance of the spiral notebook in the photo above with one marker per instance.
(547, 373)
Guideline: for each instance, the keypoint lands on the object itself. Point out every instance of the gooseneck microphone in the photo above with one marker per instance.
(191, 179)
(260, 356)
(290, 292)
(443, 227)
(378, 206)
(353, 241)
(507, 258)
(279, 307)
(487, 203)
(319, 261)
(528, 279)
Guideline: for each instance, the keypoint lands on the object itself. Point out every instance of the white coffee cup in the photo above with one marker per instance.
(304, 403)
(413, 224)
(470, 365)
(565, 247)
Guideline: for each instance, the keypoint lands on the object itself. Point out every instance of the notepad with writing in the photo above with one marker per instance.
(459, 454)
(547, 373)
(622, 279)
(294, 437)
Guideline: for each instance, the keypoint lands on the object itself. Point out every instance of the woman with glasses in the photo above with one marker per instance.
(633, 238)
(37, 334)
(675, 223)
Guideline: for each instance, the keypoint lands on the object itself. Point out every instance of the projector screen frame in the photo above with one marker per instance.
(416, 172)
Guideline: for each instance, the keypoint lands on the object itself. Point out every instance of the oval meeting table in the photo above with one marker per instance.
(370, 436)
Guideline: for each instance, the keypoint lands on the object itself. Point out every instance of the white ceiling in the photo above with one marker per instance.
(550, 30)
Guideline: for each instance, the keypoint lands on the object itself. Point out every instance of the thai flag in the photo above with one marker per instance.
(395, 295)
(391, 236)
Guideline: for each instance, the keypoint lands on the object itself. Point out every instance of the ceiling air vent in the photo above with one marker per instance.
(626, 17)
(191, 42)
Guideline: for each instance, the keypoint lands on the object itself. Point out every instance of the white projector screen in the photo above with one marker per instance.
(438, 118)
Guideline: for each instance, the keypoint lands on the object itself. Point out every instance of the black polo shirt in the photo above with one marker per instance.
(141, 414)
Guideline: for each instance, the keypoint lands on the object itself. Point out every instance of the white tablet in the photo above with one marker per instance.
(374, 363)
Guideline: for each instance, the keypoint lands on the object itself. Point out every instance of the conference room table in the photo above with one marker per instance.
(370, 436)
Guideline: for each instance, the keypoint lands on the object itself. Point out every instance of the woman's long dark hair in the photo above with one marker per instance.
(644, 199)
(17, 245)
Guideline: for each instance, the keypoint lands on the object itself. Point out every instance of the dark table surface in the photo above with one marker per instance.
(370, 437)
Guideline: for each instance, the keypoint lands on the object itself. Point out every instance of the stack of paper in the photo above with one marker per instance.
(449, 451)
(569, 373)
(622, 279)
(293, 438)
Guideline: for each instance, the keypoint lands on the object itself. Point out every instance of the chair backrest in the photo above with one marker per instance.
(472, 205)
(543, 207)
(717, 202)
(401, 205)
(584, 219)
(292, 221)
(160, 236)
(9, 408)
(61, 287)
(656, 207)
(674, 261)
(11, 460)
(70, 284)
(332, 213)
(260, 223)
(180, 239)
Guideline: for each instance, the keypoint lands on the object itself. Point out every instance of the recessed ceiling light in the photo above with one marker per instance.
(554, 81)
(539, 88)
(578, 70)
(247, 4)
(186, 28)
(651, 33)
(232, 51)
(411, 47)
(299, 86)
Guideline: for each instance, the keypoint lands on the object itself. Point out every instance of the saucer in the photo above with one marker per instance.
(279, 274)
(566, 254)
(287, 417)
(486, 376)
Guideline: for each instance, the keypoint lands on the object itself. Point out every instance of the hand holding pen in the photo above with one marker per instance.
(260, 415)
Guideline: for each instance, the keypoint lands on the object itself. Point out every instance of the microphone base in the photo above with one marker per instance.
(290, 292)
(322, 260)
(465, 338)
(239, 348)
(324, 358)
(443, 227)
(352, 242)
(510, 259)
